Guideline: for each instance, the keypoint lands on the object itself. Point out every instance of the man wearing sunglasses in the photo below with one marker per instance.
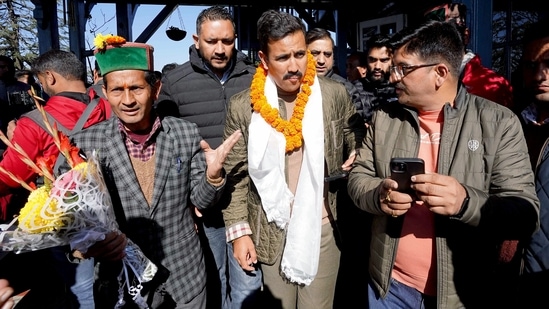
(534, 113)
(433, 246)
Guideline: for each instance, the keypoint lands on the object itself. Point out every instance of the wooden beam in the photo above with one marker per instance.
(156, 23)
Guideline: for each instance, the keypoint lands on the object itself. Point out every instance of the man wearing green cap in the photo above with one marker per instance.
(155, 168)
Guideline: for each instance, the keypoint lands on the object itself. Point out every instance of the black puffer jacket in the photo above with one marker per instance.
(199, 95)
(372, 95)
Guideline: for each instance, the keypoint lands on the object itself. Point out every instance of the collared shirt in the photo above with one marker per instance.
(144, 149)
(226, 73)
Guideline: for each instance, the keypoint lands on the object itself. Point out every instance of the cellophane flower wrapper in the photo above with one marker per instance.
(77, 211)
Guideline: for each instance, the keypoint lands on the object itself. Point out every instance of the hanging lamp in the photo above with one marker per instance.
(176, 33)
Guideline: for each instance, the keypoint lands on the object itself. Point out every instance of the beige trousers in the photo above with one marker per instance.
(318, 295)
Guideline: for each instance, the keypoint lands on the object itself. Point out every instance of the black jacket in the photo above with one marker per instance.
(372, 95)
(199, 95)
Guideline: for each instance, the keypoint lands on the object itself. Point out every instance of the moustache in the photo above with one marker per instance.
(380, 72)
(290, 75)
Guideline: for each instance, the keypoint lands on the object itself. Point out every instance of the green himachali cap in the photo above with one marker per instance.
(113, 53)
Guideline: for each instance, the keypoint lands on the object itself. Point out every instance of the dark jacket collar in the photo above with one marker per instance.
(238, 60)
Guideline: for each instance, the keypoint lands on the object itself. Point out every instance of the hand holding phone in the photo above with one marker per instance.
(402, 170)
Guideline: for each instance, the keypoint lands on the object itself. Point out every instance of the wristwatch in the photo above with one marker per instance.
(462, 210)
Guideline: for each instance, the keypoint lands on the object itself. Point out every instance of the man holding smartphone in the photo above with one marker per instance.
(435, 246)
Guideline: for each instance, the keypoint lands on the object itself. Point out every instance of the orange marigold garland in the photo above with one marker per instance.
(292, 129)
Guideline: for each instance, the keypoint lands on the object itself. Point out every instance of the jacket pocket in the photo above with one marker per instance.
(336, 134)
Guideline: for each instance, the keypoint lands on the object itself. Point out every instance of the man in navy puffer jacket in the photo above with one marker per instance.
(201, 88)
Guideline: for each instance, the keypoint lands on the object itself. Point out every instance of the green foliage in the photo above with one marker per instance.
(507, 62)
(18, 32)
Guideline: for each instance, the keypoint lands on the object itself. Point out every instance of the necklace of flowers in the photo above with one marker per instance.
(292, 129)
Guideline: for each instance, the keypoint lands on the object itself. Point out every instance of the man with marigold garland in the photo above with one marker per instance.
(282, 214)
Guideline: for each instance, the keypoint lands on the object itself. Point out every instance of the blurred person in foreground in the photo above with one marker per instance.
(535, 118)
(282, 215)
(533, 98)
(435, 247)
(155, 168)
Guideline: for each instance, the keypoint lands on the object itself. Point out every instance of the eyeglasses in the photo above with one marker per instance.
(401, 71)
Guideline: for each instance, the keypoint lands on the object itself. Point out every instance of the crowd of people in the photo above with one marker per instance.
(271, 184)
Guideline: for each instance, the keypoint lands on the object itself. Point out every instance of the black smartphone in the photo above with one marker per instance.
(337, 176)
(402, 169)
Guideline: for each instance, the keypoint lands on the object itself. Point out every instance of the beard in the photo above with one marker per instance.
(379, 80)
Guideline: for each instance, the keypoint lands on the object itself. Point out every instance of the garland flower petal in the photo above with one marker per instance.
(292, 129)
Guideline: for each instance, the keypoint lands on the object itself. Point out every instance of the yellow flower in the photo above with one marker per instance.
(82, 166)
(101, 41)
(292, 129)
(37, 217)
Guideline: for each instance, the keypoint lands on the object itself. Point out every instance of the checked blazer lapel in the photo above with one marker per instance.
(126, 182)
(164, 154)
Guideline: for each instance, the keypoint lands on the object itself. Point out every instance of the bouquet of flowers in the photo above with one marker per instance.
(73, 209)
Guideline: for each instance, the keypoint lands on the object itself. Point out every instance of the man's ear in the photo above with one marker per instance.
(363, 71)
(156, 89)
(263, 59)
(443, 73)
(196, 40)
(50, 78)
(104, 89)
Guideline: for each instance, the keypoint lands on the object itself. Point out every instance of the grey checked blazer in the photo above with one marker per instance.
(165, 230)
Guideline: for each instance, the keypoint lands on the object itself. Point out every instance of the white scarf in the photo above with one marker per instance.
(266, 166)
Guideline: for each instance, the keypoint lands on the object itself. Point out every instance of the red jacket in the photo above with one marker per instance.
(484, 82)
(37, 142)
